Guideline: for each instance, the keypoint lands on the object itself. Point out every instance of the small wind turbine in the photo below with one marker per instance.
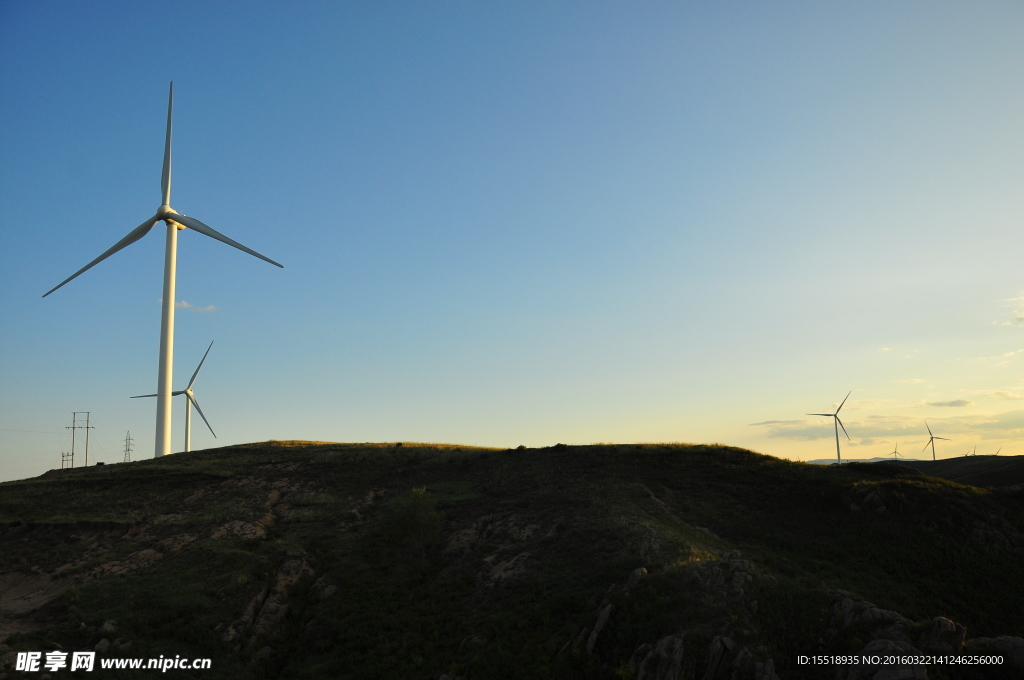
(997, 450)
(896, 452)
(190, 401)
(932, 440)
(838, 424)
(174, 221)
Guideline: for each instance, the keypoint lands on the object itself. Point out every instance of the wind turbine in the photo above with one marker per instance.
(174, 221)
(932, 440)
(190, 401)
(896, 452)
(838, 424)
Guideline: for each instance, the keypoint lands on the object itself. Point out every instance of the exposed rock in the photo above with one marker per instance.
(860, 612)
(664, 661)
(640, 654)
(509, 568)
(716, 655)
(579, 638)
(259, 656)
(240, 529)
(1011, 649)
(602, 619)
(645, 541)
(25, 593)
(322, 589)
(175, 543)
(505, 531)
(108, 628)
(241, 625)
(944, 637)
(136, 560)
(102, 646)
(765, 671)
(275, 607)
(634, 578)
(870, 501)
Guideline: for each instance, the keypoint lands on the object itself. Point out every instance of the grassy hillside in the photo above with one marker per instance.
(314, 560)
(984, 471)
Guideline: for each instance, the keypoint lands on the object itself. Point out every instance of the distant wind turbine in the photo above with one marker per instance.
(174, 221)
(838, 424)
(932, 440)
(896, 452)
(190, 401)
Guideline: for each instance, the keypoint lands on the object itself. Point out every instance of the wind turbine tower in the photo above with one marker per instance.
(174, 221)
(931, 440)
(838, 424)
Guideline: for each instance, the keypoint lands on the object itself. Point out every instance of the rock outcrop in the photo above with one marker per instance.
(894, 635)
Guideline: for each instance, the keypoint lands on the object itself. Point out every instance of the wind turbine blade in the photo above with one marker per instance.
(926, 446)
(193, 223)
(844, 401)
(827, 415)
(165, 176)
(140, 396)
(929, 429)
(842, 426)
(198, 367)
(943, 439)
(997, 450)
(196, 404)
(133, 236)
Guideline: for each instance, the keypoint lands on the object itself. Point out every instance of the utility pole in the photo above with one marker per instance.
(76, 426)
(128, 447)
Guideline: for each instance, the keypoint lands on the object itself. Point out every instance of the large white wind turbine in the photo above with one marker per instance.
(190, 401)
(838, 424)
(931, 440)
(174, 221)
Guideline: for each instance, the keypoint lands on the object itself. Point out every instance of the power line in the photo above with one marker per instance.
(75, 426)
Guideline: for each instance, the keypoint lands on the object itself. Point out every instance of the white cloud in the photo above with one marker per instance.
(191, 307)
(1003, 394)
(1008, 425)
(185, 305)
(954, 403)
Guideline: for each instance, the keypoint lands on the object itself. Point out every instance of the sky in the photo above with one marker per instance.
(518, 223)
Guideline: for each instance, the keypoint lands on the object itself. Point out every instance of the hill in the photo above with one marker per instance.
(985, 471)
(317, 560)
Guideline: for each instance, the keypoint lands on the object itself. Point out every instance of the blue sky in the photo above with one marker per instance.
(519, 224)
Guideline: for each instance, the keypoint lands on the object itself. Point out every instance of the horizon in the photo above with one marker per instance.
(520, 225)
